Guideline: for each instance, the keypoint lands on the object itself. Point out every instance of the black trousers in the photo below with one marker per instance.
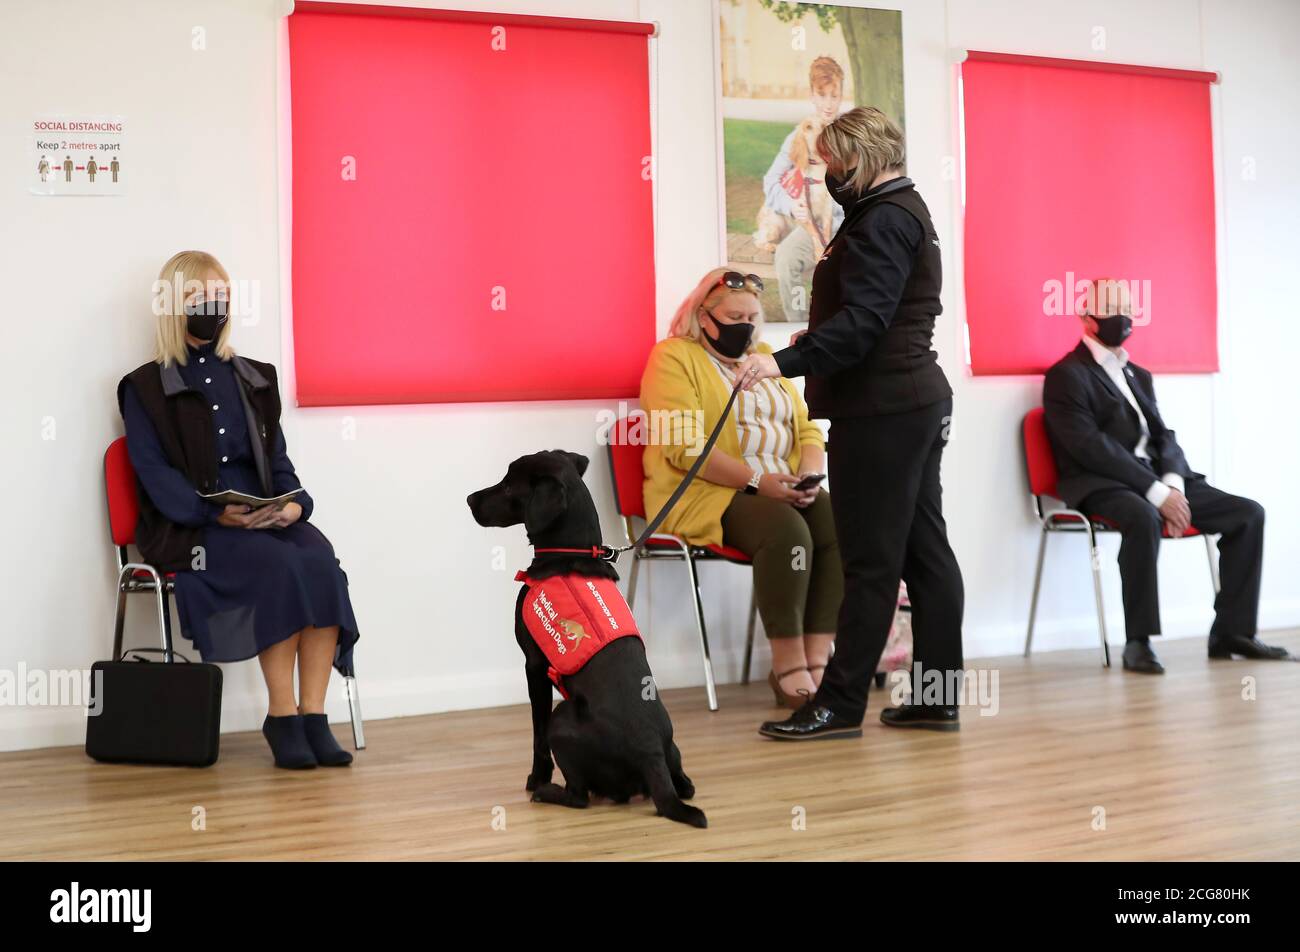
(888, 508)
(1241, 554)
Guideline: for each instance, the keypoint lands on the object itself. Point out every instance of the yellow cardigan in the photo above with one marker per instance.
(680, 379)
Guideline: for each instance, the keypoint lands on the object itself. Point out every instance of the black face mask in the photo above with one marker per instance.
(732, 339)
(1113, 331)
(840, 191)
(204, 319)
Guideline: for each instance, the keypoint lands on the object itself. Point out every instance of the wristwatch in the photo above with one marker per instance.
(751, 488)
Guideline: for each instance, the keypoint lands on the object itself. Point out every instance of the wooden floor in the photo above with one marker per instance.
(1183, 767)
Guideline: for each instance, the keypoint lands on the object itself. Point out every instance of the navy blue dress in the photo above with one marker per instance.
(256, 587)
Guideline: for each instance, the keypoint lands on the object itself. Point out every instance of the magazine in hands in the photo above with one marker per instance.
(233, 497)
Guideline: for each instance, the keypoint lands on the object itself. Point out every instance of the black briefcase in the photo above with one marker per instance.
(150, 712)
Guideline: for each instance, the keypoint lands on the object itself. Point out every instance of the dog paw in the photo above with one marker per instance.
(682, 784)
(536, 779)
(548, 792)
(561, 796)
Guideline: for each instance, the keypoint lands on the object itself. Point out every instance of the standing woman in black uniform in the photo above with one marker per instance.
(258, 583)
(871, 371)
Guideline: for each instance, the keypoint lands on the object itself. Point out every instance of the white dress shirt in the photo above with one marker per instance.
(1115, 363)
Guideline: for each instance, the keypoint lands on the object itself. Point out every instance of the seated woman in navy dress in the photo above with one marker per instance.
(264, 582)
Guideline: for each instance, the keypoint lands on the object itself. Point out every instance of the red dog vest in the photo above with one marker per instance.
(571, 617)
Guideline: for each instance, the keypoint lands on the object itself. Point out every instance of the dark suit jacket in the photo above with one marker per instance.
(1094, 430)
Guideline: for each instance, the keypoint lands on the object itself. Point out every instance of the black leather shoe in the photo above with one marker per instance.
(1139, 656)
(811, 722)
(929, 717)
(1248, 648)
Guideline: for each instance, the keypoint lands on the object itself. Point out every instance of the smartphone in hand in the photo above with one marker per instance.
(811, 481)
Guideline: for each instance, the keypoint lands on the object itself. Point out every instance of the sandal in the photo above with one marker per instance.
(791, 701)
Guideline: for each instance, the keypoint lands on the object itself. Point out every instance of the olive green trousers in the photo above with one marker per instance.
(797, 578)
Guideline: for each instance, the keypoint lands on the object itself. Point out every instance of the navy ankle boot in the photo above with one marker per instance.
(288, 739)
(324, 746)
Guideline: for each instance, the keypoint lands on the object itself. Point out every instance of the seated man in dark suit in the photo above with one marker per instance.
(1117, 460)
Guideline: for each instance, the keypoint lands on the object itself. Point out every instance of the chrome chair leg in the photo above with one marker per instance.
(354, 711)
(1094, 556)
(631, 580)
(1038, 582)
(119, 624)
(709, 686)
(165, 608)
(1214, 565)
(161, 599)
(749, 638)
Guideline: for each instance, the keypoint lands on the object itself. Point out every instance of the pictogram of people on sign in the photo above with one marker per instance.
(91, 168)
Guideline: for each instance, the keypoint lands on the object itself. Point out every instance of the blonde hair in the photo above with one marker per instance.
(706, 296)
(184, 272)
(863, 139)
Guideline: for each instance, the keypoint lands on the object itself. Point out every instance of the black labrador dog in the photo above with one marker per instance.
(613, 737)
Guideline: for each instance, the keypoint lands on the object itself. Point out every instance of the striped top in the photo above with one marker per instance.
(765, 423)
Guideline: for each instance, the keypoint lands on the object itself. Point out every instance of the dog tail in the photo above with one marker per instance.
(660, 784)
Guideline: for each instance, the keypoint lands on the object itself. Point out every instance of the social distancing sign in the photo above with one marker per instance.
(79, 155)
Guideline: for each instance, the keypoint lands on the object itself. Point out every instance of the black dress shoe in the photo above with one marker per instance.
(811, 722)
(1250, 647)
(929, 717)
(1140, 657)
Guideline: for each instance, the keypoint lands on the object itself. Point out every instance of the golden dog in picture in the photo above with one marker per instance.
(808, 177)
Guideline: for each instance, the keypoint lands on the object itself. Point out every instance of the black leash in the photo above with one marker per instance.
(615, 551)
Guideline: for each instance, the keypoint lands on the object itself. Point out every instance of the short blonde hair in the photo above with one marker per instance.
(706, 296)
(184, 273)
(863, 139)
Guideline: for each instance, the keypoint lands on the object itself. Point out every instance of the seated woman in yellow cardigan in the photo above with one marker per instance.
(744, 495)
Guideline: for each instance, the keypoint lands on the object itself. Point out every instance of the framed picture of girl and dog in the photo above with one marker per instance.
(786, 70)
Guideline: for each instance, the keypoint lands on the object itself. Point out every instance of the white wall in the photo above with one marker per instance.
(433, 609)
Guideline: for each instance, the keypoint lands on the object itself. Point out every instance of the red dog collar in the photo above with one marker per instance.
(595, 551)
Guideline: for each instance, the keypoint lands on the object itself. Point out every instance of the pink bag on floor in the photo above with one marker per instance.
(897, 655)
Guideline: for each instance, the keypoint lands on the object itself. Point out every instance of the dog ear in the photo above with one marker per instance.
(546, 503)
(578, 460)
(799, 148)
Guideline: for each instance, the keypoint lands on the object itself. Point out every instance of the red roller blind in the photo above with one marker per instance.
(496, 239)
(1077, 170)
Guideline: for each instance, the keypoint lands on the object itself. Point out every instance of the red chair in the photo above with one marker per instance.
(1040, 465)
(134, 577)
(625, 462)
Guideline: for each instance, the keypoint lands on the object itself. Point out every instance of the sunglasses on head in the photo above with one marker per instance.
(738, 282)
